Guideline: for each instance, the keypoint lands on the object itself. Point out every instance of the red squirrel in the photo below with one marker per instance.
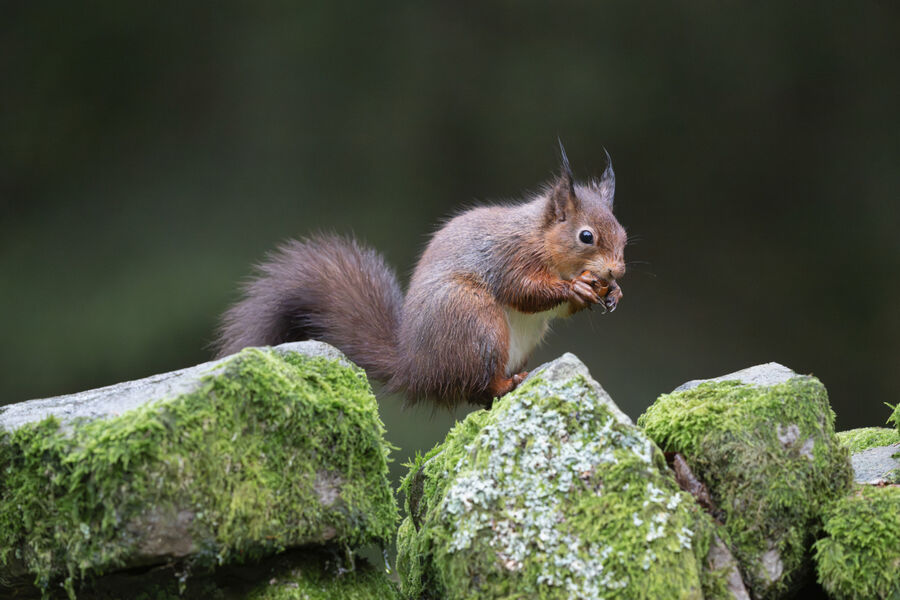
(480, 299)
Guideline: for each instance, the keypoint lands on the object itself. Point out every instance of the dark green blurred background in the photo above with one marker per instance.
(151, 152)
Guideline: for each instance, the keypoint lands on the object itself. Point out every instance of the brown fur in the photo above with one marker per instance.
(448, 339)
(326, 288)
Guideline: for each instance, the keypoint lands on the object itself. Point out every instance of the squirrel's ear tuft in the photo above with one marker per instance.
(606, 187)
(563, 200)
(565, 169)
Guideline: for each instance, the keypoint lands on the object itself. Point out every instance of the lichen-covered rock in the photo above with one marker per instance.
(859, 559)
(223, 462)
(553, 493)
(763, 442)
(857, 440)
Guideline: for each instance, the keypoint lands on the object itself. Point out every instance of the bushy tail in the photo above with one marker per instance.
(324, 288)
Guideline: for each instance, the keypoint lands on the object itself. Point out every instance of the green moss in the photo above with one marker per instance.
(318, 578)
(309, 573)
(549, 496)
(860, 557)
(857, 440)
(771, 461)
(895, 416)
(241, 456)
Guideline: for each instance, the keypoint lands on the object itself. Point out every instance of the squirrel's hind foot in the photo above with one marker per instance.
(501, 385)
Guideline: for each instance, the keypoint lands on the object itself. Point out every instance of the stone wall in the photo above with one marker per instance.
(263, 476)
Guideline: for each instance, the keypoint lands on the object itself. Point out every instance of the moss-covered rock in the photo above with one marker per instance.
(220, 463)
(308, 573)
(857, 440)
(763, 442)
(553, 493)
(859, 559)
(317, 577)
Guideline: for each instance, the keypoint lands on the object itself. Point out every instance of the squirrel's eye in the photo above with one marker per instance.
(586, 236)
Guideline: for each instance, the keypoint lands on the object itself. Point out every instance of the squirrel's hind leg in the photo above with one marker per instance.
(501, 384)
(455, 341)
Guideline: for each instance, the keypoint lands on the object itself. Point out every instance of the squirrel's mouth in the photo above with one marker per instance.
(601, 286)
(610, 293)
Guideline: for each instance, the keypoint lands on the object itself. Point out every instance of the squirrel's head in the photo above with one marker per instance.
(580, 231)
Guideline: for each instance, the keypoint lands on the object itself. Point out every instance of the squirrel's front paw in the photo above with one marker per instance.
(583, 290)
(613, 296)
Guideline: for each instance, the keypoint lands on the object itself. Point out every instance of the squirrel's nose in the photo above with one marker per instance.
(615, 270)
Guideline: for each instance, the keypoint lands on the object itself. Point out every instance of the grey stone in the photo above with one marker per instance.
(567, 366)
(762, 375)
(315, 349)
(114, 400)
(720, 558)
(162, 534)
(877, 465)
(771, 567)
